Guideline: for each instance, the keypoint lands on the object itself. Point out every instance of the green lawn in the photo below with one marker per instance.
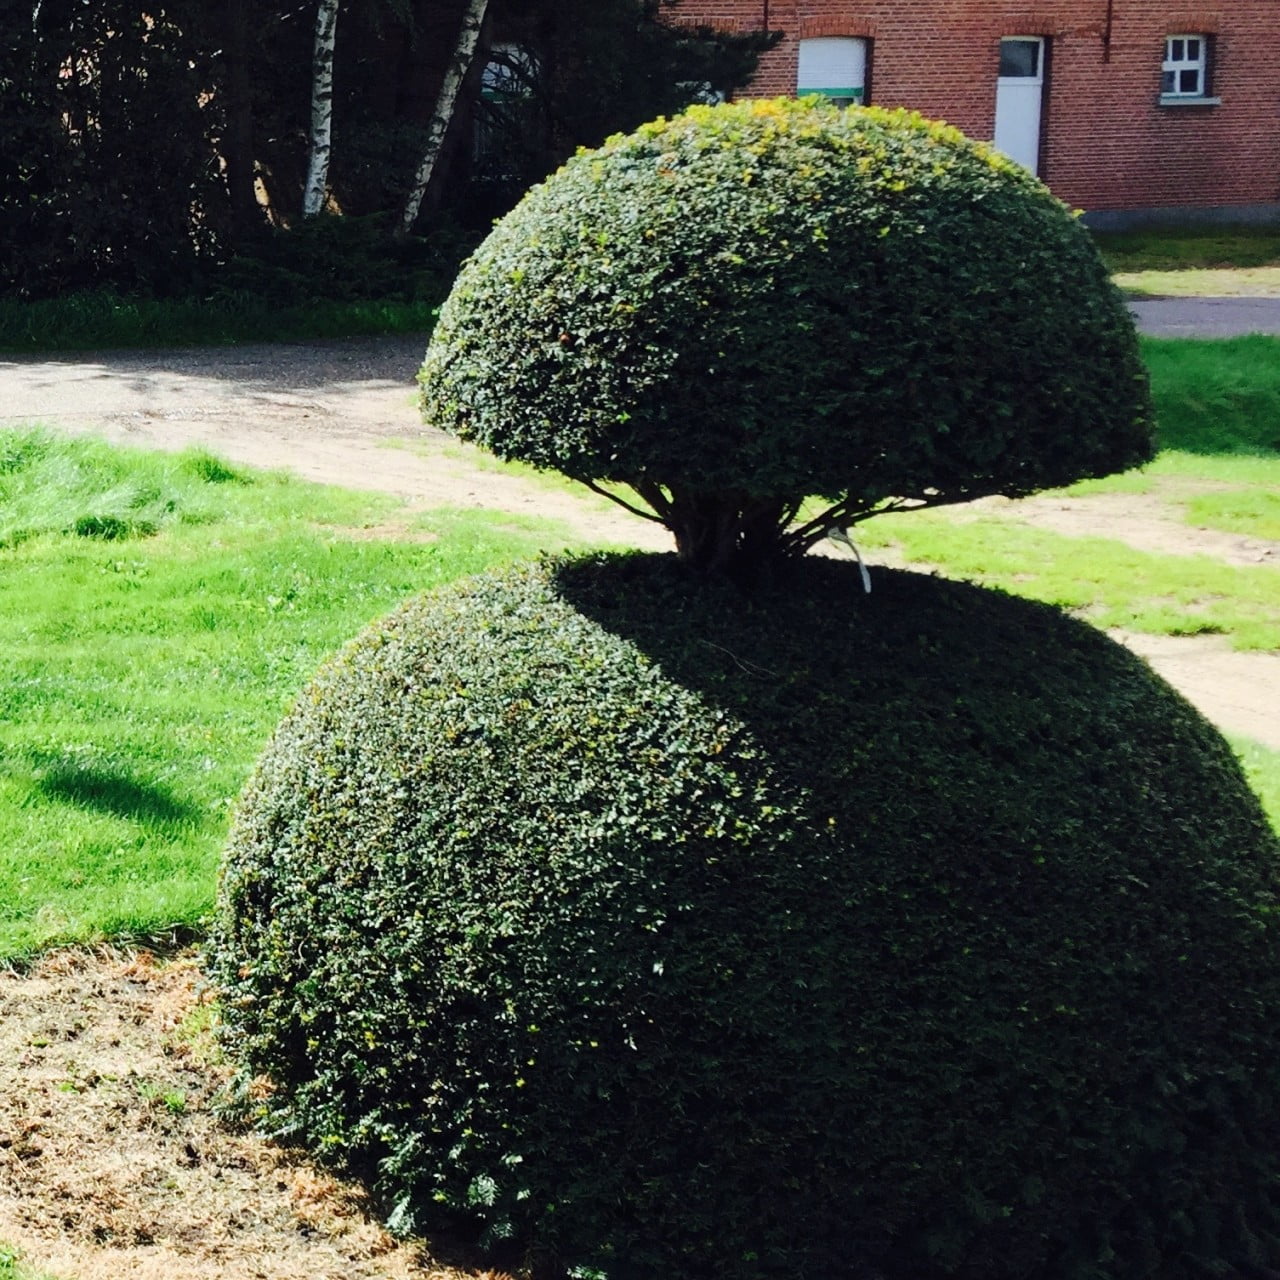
(1218, 416)
(11, 1267)
(157, 614)
(1106, 581)
(1205, 262)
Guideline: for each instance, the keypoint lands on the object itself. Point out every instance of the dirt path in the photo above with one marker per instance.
(337, 412)
(343, 413)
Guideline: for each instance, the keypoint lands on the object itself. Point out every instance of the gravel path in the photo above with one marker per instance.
(342, 412)
(1206, 317)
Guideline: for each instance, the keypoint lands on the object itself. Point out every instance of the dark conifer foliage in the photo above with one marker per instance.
(144, 145)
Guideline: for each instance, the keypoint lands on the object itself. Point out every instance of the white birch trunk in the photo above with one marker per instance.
(459, 64)
(321, 109)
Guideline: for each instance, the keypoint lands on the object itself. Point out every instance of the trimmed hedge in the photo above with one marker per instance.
(682, 933)
(772, 300)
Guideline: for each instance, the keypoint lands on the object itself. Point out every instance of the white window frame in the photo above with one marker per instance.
(1178, 62)
(1038, 76)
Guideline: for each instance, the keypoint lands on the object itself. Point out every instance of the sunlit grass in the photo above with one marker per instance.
(1218, 416)
(1195, 262)
(13, 1268)
(1109, 582)
(1262, 768)
(143, 672)
(1227, 282)
(1254, 513)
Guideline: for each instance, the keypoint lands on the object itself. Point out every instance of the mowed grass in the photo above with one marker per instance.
(157, 615)
(1204, 262)
(1262, 769)
(1218, 414)
(1105, 581)
(10, 1267)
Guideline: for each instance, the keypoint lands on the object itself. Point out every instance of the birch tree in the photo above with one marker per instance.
(321, 108)
(464, 52)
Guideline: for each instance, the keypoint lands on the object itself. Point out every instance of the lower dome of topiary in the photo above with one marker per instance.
(663, 931)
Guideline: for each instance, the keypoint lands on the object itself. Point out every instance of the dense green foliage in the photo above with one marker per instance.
(144, 147)
(106, 166)
(679, 932)
(101, 319)
(753, 303)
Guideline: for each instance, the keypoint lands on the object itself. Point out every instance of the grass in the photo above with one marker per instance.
(1262, 768)
(1227, 282)
(1218, 412)
(1189, 248)
(1216, 398)
(1204, 262)
(1108, 582)
(102, 319)
(157, 614)
(1252, 512)
(11, 1267)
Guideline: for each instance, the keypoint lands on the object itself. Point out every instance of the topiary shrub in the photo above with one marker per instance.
(656, 928)
(749, 305)
(679, 933)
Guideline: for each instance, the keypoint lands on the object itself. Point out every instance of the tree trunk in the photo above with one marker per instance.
(321, 109)
(464, 52)
(727, 533)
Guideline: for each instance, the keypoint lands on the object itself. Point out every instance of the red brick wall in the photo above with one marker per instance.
(1108, 144)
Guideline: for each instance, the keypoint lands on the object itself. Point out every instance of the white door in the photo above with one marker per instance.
(1019, 99)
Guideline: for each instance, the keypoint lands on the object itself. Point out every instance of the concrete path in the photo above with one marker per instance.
(1206, 317)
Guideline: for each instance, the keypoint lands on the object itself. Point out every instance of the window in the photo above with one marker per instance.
(836, 68)
(505, 115)
(1186, 67)
(509, 73)
(1020, 58)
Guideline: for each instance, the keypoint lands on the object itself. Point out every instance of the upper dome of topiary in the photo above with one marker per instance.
(755, 303)
(683, 935)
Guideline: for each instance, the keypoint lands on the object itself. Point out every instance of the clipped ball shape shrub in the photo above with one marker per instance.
(688, 934)
(772, 300)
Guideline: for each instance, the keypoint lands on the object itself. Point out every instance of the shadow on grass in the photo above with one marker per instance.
(112, 791)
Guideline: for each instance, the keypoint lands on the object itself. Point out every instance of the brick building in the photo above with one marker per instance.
(1133, 110)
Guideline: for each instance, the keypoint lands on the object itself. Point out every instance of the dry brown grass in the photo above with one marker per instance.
(113, 1164)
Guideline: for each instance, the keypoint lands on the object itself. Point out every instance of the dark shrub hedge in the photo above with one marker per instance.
(759, 302)
(690, 934)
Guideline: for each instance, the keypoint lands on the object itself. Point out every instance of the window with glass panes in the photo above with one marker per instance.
(1186, 63)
